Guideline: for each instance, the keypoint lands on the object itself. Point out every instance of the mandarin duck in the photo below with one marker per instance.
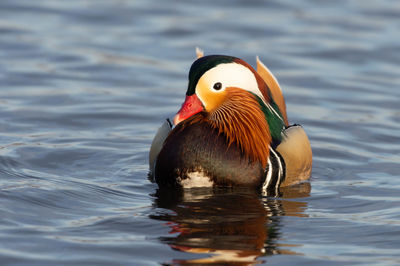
(232, 130)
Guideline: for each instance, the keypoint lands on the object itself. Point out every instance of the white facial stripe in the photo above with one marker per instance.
(232, 75)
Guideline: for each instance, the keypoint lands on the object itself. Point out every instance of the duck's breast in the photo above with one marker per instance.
(197, 155)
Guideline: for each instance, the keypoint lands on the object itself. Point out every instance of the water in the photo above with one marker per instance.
(84, 85)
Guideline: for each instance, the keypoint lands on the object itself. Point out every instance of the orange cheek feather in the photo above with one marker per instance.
(191, 106)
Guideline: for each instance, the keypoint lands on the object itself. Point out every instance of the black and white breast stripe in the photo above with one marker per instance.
(274, 173)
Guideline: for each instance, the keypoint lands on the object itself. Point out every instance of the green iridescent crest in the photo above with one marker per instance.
(202, 65)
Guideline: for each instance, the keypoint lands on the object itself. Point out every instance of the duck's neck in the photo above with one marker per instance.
(243, 123)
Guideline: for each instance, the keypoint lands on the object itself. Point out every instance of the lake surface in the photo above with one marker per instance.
(84, 85)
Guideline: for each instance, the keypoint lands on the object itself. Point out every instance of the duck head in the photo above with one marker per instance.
(211, 79)
(231, 96)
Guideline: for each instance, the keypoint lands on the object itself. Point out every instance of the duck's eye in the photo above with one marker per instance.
(217, 86)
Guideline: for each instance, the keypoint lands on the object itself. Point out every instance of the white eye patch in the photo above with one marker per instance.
(231, 75)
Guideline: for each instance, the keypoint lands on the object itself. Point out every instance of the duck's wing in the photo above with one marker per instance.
(273, 85)
(158, 143)
(295, 150)
(199, 52)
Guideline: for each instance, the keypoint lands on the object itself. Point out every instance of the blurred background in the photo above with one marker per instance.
(84, 85)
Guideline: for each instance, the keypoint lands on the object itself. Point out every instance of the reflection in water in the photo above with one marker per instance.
(231, 225)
